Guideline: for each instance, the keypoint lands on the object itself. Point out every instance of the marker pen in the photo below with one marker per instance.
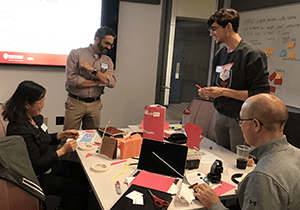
(200, 88)
(118, 187)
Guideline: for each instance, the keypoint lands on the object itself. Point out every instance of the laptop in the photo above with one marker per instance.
(163, 158)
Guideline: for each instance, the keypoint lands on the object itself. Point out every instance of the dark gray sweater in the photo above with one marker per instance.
(248, 72)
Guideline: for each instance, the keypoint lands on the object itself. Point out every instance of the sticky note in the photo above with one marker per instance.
(278, 82)
(270, 51)
(278, 76)
(272, 76)
(267, 51)
(291, 44)
(283, 53)
(272, 89)
(292, 55)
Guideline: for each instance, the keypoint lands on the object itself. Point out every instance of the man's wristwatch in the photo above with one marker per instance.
(94, 72)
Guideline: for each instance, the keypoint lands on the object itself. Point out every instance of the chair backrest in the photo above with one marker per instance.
(203, 114)
(292, 129)
(3, 123)
(14, 197)
(16, 171)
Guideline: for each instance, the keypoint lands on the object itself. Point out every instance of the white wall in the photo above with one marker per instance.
(136, 67)
(200, 9)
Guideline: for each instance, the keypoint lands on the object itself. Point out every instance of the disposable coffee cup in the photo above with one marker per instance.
(242, 153)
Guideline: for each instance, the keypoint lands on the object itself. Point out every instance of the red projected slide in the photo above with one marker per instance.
(43, 32)
(32, 58)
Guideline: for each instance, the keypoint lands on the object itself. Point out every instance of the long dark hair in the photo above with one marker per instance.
(27, 91)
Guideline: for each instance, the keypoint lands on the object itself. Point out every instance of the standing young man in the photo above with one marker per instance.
(240, 71)
(88, 71)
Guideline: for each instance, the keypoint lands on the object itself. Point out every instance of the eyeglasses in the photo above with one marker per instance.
(109, 44)
(239, 120)
(213, 29)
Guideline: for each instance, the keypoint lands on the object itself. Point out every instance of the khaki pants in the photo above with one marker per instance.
(80, 111)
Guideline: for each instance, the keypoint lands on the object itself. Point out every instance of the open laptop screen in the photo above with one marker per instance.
(163, 158)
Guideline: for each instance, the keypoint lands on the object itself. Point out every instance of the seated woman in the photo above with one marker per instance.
(57, 177)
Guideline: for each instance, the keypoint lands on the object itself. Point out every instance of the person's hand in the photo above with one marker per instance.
(73, 134)
(206, 195)
(68, 147)
(202, 93)
(87, 66)
(213, 92)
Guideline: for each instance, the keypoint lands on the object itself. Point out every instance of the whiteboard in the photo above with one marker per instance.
(276, 31)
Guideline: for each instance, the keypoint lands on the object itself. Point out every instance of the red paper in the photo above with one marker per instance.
(278, 82)
(272, 89)
(89, 131)
(88, 155)
(223, 188)
(272, 76)
(153, 181)
(193, 133)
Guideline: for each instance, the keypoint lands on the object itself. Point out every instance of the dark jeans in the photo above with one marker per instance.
(68, 181)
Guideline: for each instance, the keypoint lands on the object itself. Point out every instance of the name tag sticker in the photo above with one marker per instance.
(104, 66)
(44, 127)
(218, 69)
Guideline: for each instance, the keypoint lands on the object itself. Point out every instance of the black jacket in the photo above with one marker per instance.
(43, 156)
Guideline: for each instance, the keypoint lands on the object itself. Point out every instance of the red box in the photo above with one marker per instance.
(154, 122)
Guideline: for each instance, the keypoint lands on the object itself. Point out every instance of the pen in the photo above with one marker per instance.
(122, 161)
(118, 188)
(193, 185)
(132, 164)
(200, 88)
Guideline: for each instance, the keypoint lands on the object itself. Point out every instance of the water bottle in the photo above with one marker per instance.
(185, 117)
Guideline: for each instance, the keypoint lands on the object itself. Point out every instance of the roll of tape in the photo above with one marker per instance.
(100, 167)
(86, 146)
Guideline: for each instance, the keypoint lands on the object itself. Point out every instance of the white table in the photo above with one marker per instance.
(104, 186)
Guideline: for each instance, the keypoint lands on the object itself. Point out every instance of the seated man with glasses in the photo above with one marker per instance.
(274, 182)
(89, 71)
(240, 71)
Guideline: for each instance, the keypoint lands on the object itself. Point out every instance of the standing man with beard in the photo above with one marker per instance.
(240, 71)
(88, 71)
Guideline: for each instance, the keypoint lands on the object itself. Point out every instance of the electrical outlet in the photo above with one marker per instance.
(60, 120)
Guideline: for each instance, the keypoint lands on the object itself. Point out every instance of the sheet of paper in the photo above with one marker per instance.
(88, 136)
(223, 188)
(207, 157)
(153, 181)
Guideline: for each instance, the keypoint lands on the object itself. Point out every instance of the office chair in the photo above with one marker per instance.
(3, 123)
(292, 129)
(203, 114)
(20, 189)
